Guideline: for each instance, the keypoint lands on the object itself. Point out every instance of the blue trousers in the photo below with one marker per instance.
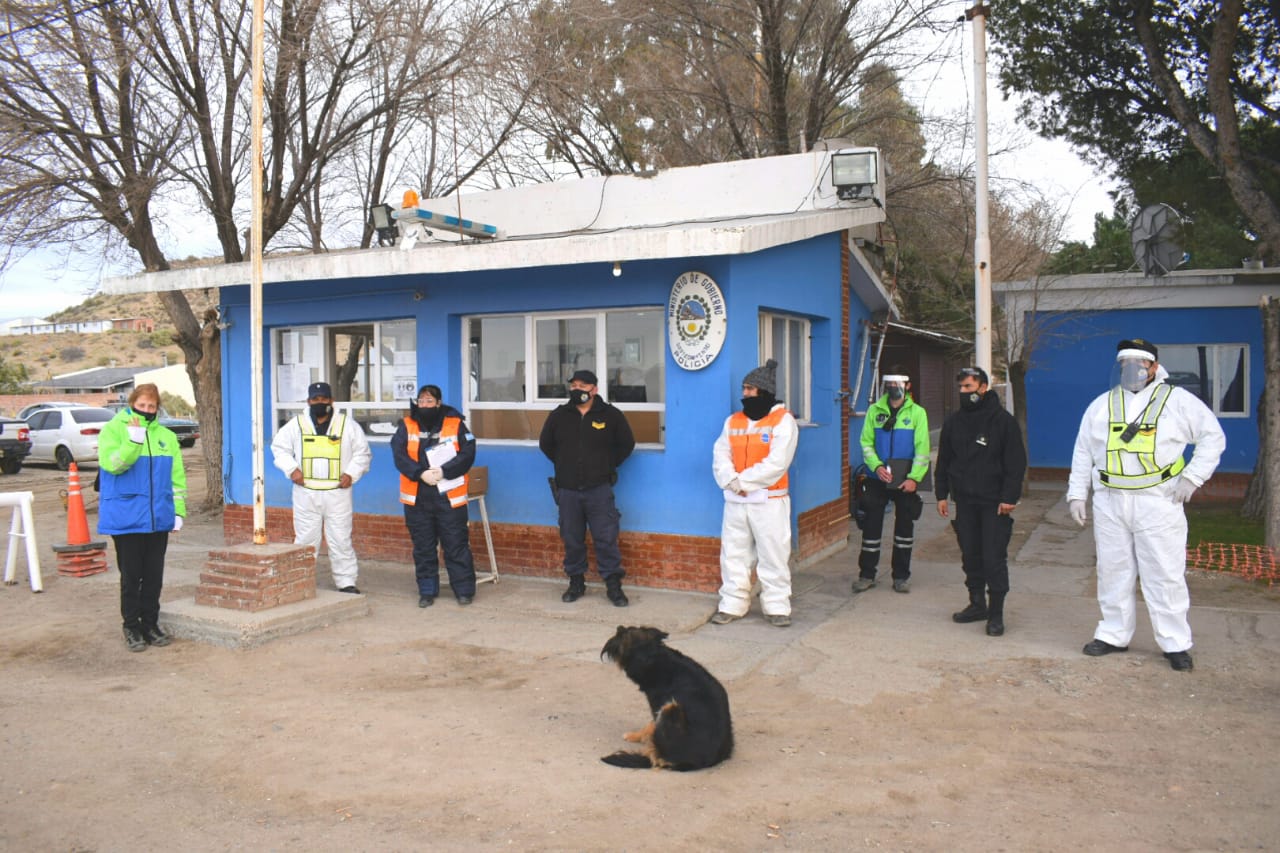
(434, 524)
(593, 508)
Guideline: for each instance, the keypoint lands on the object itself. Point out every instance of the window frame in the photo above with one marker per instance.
(765, 345)
(537, 402)
(283, 410)
(1215, 351)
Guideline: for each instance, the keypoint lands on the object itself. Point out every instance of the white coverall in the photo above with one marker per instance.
(1142, 533)
(756, 533)
(327, 511)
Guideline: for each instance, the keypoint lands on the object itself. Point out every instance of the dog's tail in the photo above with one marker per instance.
(635, 760)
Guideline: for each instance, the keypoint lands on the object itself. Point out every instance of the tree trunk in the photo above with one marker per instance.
(201, 344)
(1018, 395)
(1270, 308)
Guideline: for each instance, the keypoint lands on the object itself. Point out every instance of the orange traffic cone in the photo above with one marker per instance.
(77, 522)
(80, 557)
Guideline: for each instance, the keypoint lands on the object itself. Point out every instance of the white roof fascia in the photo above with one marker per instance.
(870, 289)
(736, 236)
(1110, 291)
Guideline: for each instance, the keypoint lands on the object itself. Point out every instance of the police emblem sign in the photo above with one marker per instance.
(696, 320)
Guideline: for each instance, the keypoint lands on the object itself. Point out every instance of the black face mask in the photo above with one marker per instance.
(896, 393)
(428, 419)
(579, 397)
(757, 407)
(147, 416)
(320, 411)
(969, 402)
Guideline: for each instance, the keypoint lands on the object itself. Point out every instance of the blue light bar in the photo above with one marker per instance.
(448, 223)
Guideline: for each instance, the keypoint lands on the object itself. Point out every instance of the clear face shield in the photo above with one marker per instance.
(895, 386)
(1131, 373)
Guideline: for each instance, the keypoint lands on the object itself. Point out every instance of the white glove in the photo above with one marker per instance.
(432, 476)
(1079, 511)
(177, 523)
(137, 434)
(734, 486)
(1183, 490)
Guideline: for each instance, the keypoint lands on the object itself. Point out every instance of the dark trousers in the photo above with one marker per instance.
(984, 546)
(592, 508)
(438, 524)
(140, 557)
(906, 509)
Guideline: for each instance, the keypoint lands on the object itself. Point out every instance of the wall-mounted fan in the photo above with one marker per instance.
(1155, 234)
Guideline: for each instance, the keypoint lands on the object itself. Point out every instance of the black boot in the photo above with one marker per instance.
(577, 589)
(995, 615)
(977, 609)
(613, 590)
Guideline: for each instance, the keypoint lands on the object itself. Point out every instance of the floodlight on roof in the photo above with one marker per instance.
(383, 225)
(854, 173)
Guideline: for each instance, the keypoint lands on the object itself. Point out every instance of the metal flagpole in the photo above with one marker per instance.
(255, 286)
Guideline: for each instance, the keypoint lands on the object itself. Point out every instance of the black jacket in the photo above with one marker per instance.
(981, 456)
(586, 449)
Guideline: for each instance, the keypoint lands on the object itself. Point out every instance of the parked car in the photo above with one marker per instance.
(186, 430)
(15, 444)
(64, 435)
(28, 411)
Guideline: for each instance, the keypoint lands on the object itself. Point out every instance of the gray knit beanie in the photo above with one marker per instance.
(763, 377)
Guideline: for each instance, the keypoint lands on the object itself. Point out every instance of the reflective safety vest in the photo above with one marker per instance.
(448, 433)
(321, 453)
(1141, 445)
(749, 443)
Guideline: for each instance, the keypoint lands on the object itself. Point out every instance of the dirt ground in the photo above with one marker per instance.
(872, 723)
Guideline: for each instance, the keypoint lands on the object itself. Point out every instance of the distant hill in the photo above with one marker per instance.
(46, 356)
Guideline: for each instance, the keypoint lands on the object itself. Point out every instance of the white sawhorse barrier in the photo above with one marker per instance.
(21, 527)
(477, 488)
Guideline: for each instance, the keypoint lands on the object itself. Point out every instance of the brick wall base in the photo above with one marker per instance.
(824, 530)
(665, 561)
(257, 578)
(1222, 487)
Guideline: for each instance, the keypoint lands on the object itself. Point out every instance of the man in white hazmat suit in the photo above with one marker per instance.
(1130, 451)
(751, 459)
(324, 454)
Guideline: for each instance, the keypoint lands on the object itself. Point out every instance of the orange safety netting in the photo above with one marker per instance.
(1252, 562)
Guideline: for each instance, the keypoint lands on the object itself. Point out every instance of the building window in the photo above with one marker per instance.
(519, 365)
(1216, 373)
(372, 368)
(785, 339)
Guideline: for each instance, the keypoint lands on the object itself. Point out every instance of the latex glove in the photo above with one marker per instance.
(177, 523)
(1079, 511)
(137, 434)
(1183, 490)
(734, 486)
(432, 476)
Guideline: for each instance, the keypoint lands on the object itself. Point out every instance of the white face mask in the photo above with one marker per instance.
(1133, 376)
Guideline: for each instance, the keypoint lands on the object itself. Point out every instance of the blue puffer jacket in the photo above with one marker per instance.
(143, 485)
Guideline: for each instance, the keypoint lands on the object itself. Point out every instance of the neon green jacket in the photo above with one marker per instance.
(909, 438)
(143, 484)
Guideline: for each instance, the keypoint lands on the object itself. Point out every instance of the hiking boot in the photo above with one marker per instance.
(972, 613)
(995, 626)
(1181, 661)
(134, 640)
(902, 584)
(577, 589)
(613, 591)
(722, 618)
(426, 600)
(1098, 648)
(154, 636)
(779, 620)
(863, 584)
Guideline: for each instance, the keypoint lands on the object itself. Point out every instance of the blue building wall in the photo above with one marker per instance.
(1074, 354)
(669, 489)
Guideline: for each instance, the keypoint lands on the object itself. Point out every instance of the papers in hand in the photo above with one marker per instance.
(436, 457)
(759, 496)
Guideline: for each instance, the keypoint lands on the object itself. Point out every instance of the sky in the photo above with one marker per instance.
(44, 283)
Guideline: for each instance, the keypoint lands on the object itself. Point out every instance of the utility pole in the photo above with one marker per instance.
(982, 240)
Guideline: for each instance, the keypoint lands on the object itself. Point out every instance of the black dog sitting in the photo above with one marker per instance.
(691, 727)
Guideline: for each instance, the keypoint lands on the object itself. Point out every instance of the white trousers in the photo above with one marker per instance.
(317, 511)
(1141, 536)
(756, 535)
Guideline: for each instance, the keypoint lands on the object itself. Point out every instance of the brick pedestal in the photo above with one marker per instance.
(257, 577)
